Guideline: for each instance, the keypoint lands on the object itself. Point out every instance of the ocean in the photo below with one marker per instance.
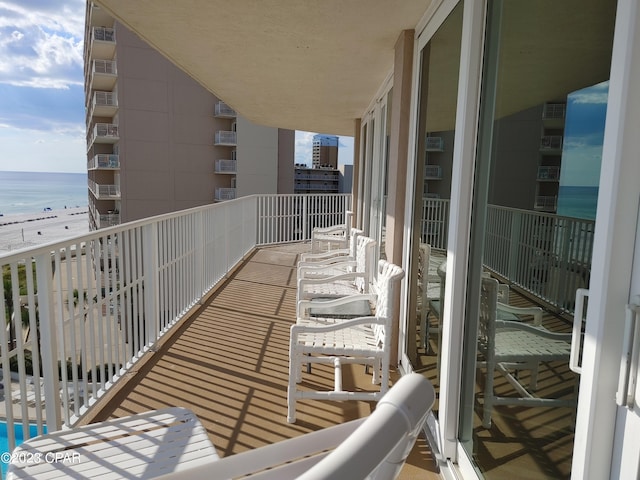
(578, 202)
(32, 192)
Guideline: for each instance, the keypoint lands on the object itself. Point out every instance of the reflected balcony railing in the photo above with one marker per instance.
(550, 173)
(222, 194)
(226, 166)
(433, 172)
(224, 111)
(88, 308)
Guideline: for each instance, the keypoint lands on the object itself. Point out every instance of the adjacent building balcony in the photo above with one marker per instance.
(432, 172)
(553, 114)
(548, 173)
(226, 138)
(104, 161)
(223, 194)
(222, 110)
(103, 43)
(434, 144)
(103, 133)
(104, 104)
(551, 143)
(226, 166)
(546, 203)
(104, 74)
(104, 191)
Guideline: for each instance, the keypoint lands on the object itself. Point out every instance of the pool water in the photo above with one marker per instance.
(4, 442)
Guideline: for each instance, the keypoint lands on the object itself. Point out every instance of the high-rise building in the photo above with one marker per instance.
(157, 141)
(325, 151)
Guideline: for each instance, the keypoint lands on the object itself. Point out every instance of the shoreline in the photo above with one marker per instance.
(24, 230)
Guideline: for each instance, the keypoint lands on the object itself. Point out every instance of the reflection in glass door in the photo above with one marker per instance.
(437, 92)
(539, 147)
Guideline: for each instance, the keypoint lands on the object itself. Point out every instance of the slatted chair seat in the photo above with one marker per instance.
(338, 341)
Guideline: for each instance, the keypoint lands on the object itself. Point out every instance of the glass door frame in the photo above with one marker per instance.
(593, 453)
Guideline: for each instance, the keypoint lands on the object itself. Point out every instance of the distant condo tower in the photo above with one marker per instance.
(158, 142)
(325, 151)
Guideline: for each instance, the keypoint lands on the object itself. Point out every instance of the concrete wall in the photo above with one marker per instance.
(257, 158)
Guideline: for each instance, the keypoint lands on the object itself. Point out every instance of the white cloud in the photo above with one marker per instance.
(41, 43)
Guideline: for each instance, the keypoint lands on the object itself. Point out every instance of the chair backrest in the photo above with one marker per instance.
(385, 286)
(365, 262)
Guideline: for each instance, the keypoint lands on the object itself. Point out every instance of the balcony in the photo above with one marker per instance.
(548, 173)
(193, 308)
(104, 161)
(103, 43)
(434, 144)
(104, 192)
(226, 166)
(223, 194)
(104, 104)
(433, 172)
(553, 115)
(546, 203)
(104, 74)
(226, 138)
(222, 110)
(103, 133)
(551, 144)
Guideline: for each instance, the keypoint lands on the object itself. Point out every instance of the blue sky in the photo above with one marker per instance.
(42, 126)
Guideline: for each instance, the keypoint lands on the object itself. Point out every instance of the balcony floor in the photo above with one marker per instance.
(228, 363)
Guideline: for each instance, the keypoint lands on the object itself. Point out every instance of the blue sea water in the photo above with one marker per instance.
(32, 192)
(578, 202)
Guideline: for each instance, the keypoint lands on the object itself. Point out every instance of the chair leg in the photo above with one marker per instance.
(487, 407)
(294, 377)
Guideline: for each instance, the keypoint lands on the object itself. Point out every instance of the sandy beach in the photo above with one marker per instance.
(18, 231)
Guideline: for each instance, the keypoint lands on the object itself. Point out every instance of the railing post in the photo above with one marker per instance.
(151, 287)
(199, 253)
(305, 215)
(514, 244)
(48, 341)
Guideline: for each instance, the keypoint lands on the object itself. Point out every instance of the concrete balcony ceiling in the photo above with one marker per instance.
(301, 65)
(316, 66)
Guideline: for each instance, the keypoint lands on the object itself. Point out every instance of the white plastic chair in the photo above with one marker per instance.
(509, 346)
(336, 236)
(336, 341)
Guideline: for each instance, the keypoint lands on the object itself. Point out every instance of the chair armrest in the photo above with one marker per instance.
(535, 312)
(319, 269)
(311, 257)
(539, 331)
(338, 229)
(333, 327)
(334, 278)
(303, 305)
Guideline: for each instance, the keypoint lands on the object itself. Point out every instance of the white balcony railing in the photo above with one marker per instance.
(434, 144)
(226, 166)
(103, 132)
(104, 161)
(433, 172)
(551, 142)
(551, 173)
(104, 34)
(105, 67)
(102, 191)
(94, 304)
(108, 99)
(546, 202)
(224, 110)
(554, 111)
(225, 138)
(225, 194)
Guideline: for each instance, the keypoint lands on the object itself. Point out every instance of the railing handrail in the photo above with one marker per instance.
(134, 282)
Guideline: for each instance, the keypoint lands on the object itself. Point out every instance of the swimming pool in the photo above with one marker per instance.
(4, 442)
